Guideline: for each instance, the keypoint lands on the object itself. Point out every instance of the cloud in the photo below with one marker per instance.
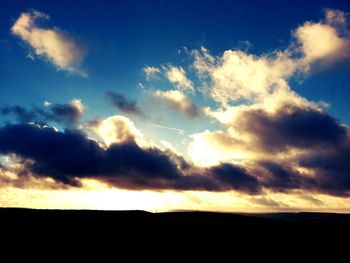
(264, 119)
(116, 129)
(290, 127)
(20, 113)
(326, 40)
(317, 164)
(68, 114)
(151, 72)
(266, 202)
(238, 178)
(252, 132)
(238, 75)
(177, 75)
(284, 140)
(70, 156)
(212, 148)
(13, 175)
(293, 148)
(335, 17)
(271, 139)
(312, 200)
(330, 165)
(49, 43)
(320, 41)
(179, 102)
(122, 103)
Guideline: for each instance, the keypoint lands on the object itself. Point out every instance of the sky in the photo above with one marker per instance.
(234, 106)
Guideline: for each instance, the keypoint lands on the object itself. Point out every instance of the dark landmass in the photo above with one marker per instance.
(178, 222)
(174, 233)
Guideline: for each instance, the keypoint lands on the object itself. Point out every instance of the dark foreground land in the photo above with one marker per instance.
(59, 231)
(60, 221)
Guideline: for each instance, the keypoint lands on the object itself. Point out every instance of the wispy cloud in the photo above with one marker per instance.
(179, 102)
(123, 103)
(151, 72)
(65, 113)
(177, 75)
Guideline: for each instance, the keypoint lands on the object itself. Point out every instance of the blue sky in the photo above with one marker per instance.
(121, 38)
(114, 42)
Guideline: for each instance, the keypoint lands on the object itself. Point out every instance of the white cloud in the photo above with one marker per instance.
(78, 105)
(151, 72)
(177, 75)
(320, 41)
(49, 43)
(165, 145)
(245, 85)
(326, 40)
(178, 101)
(116, 129)
(212, 148)
(238, 75)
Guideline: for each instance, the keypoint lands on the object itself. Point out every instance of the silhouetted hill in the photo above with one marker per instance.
(118, 232)
(141, 221)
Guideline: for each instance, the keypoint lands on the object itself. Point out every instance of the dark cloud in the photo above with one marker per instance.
(236, 177)
(67, 114)
(279, 177)
(122, 103)
(315, 149)
(69, 156)
(20, 113)
(334, 179)
(332, 167)
(292, 127)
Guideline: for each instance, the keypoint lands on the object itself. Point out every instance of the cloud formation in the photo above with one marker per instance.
(70, 156)
(179, 102)
(237, 75)
(292, 148)
(271, 139)
(67, 157)
(49, 43)
(177, 75)
(288, 142)
(68, 113)
(324, 40)
(116, 129)
(151, 72)
(122, 103)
